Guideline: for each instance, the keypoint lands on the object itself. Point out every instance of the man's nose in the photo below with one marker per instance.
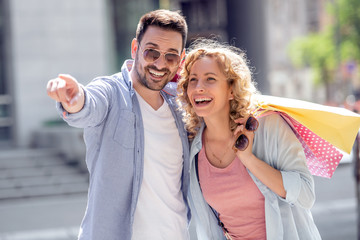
(161, 62)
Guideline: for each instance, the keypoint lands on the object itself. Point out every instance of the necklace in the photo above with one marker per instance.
(213, 154)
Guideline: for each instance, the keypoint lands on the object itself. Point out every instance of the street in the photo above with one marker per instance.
(58, 218)
(335, 209)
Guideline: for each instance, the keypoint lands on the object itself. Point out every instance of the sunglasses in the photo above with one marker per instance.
(151, 55)
(242, 142)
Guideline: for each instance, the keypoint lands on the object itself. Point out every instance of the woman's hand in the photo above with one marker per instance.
(243, 155)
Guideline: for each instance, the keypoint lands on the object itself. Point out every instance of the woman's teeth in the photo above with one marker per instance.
(202, 100)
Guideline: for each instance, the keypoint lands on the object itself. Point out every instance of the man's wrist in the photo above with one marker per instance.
(76, 103)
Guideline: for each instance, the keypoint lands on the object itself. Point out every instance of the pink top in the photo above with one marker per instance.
(234, 195)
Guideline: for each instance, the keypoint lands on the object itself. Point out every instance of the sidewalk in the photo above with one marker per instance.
(50, 218)
(59, 217)
(53, 218)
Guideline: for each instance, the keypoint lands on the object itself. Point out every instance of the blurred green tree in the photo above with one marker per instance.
(349, 25)
(316, 51)
(338, 43)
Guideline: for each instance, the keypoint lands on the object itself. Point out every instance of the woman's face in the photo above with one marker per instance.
(208, 90)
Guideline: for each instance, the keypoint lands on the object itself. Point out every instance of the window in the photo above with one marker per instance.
(124, 20)
(6, 116)
(205, 18)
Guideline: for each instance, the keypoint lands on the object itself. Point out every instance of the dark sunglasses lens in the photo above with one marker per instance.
(151, 55)
(242, 142)
(172, 59)
(251, 124)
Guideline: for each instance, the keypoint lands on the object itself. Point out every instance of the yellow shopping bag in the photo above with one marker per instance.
(336, 125)
(321, 129)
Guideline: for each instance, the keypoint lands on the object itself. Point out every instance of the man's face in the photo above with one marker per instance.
(155, 73)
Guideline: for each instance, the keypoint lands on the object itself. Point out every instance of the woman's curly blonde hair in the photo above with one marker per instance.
(232, 61)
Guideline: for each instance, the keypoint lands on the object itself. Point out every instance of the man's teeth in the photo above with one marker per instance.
(158, 74)
(204, 99)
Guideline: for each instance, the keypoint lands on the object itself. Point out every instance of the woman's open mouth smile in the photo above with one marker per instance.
(202, 101)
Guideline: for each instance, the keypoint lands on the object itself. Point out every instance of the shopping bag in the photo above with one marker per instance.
(322, 130)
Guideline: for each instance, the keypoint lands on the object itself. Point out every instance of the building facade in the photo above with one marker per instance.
(263, 29)
(40, 39)
(86, 38)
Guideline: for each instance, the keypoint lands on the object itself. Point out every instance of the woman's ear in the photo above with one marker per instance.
(134, 48)
(231, 94)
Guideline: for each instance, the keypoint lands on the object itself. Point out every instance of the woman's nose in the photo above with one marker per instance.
(200, 86)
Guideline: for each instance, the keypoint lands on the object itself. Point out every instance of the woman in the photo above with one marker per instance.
(263, 189)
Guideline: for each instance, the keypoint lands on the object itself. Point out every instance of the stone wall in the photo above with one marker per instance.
(49, 37)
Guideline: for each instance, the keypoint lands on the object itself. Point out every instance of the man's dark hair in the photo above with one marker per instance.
(165, 19)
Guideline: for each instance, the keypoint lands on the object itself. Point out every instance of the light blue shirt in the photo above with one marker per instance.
(114, 137)
(286, 219)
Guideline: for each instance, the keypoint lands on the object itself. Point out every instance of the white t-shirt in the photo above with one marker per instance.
(160, 212)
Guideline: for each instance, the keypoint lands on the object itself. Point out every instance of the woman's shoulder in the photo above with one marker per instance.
(271, 120)
(273, 126)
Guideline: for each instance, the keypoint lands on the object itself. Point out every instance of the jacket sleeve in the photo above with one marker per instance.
(98, 98)
(283, 151)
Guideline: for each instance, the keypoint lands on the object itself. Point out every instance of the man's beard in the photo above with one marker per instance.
(149, 83)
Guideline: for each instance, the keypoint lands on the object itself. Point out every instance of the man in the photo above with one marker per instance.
(136, 145)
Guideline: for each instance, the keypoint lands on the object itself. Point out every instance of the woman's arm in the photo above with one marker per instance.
(277, 159)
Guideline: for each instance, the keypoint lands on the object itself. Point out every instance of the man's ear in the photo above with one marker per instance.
(134, 48)
(182, 61)
(182, 54)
